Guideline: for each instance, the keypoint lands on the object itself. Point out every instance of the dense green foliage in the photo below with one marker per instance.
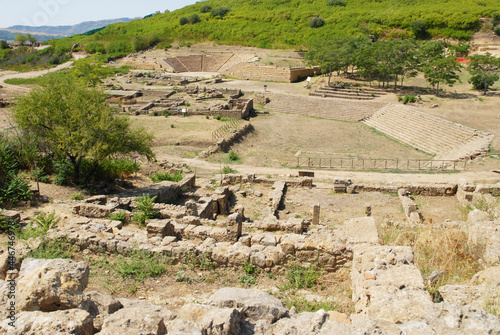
(285, 23)
(484, 70)
(26, 58)
(71, 122)
(387, 61)
(13, 185)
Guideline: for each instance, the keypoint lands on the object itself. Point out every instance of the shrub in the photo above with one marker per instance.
(247, 280)
(220, 11)
(145, 211)
(496, 19)
(118, 47)
(64, 171)
(111, 169)
(161, 176)
(419, 28)
(407, 99)
(217, 117)
(228, 170)
(14, 187)
(250, 268)
(166, 113)
(195, 18)
(183, 20)
(4, 45)
(233, 156)
(95, 47)
(316, 22)
(45, 221)
(497, 31)
(336, 3)
(205, 9)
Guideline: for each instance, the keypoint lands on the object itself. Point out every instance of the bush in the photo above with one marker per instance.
(233, 156)
(497, 31)
(183, 20)
(145, 211)
(336, 3)
(77, 196)
(4, 45)
(496, 19)
(95, 47)
(64, 171)
(228, 170)
(118, 47)
(407, 99)
(316, 22)
(45, 221)
(205, 9)
(195, 18)
(162, 176)
(419, 28)
(166, 113)
(14, 186)
(220, 11)
(217, 117)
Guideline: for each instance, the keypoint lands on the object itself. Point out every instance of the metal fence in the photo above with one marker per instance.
(380, 164)
(226, 128)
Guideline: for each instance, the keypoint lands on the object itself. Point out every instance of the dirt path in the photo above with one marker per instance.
(323, 176)
(25, 75)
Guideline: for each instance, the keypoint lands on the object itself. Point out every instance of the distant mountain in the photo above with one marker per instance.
(7, 34)
(68, 30)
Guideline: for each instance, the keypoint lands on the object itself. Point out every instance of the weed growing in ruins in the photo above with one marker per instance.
(45, 221)
(228, 170)
(247, 280)
(145, 211)
(299, 277)
(181, 276)
(166, 113)
(162, 176)
(77, 196)
(141, 264)
(202, 261)
(304, 305)
(250, 268)
(51, 249)
(118, 216)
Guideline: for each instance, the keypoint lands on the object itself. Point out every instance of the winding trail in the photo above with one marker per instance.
(33, 74)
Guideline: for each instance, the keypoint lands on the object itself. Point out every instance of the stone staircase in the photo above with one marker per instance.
(206, 63)
(335, 109)
(354, 93)
(176, 64)
(446, 139)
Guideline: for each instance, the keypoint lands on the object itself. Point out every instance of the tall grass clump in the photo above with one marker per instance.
(448, 250)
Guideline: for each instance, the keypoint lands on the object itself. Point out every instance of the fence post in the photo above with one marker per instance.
(309, 162)
(341, 163)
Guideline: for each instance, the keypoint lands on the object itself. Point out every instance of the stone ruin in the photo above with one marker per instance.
(388, 289)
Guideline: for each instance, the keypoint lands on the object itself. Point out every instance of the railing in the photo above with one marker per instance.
(380, 164)
(226, 128)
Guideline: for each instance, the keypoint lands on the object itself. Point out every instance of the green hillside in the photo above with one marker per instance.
(287, 23)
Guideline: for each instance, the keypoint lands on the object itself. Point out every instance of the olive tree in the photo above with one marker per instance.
(76, 123)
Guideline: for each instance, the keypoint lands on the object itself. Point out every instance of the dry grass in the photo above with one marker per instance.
(449, 250)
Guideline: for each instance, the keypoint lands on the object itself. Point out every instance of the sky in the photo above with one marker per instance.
(70, 12)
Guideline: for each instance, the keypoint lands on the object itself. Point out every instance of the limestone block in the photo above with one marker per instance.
(255, 305)
(478, 216)
(97, 200)
(160, 228)
(360, 230)
(49, 285)
(303, 323)
(182, 326)
(71, 321)
(234, 226)
(11, 216)
(462, 295)
(265, 239)
(206, 208)
(137, 318)
(93, 211)
(100, 306)
(214, 320)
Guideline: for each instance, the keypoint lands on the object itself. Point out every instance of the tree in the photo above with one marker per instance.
(31, 38)
(20, 39)
(220, 12)
(4, 45)
(316, 22)
(484, 70)
(183, 20)
(442, 70)
(419, 29)
(76, 123)
(89, 70)
(195, 18)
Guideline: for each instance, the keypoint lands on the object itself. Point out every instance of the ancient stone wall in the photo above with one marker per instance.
(253, 71)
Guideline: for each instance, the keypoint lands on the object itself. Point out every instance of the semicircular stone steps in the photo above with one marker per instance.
(445, 139)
